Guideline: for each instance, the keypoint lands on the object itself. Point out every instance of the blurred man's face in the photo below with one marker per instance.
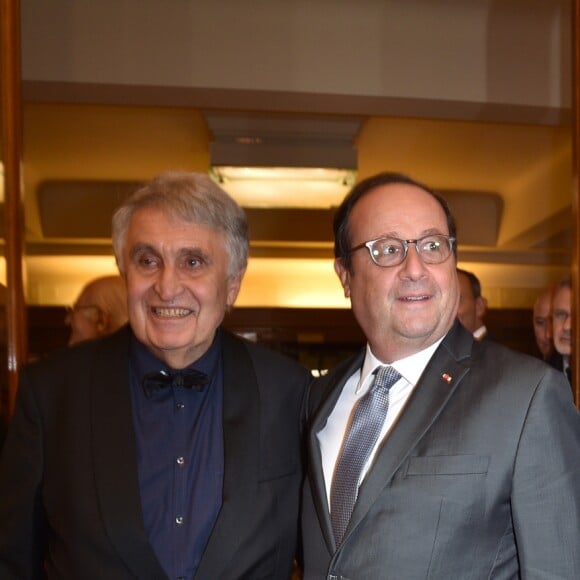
(471, 309)
(84, 318)
(543, 323)
(562, 320)
(177, 283)
(467, 304)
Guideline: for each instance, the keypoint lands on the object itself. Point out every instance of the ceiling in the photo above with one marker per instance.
(480, 112)
(509, 186)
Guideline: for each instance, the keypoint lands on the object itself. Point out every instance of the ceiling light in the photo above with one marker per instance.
(306, 187)
(277, 161)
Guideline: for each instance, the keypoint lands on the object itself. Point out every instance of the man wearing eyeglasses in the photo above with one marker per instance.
(432, 455)
(562, 327)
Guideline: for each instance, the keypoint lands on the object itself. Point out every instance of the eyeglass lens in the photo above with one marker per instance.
(392, 251)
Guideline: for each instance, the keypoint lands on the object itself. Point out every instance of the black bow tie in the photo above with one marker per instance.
(190, 379)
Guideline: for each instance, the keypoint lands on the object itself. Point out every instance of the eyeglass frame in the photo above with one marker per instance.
(451, 240)
(561, 315)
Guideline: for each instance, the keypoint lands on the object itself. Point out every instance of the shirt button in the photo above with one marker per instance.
(179, 520)
(180, 461)
(180, 405)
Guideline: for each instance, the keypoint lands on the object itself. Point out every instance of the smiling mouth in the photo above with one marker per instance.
(171, 312)
(414, 298)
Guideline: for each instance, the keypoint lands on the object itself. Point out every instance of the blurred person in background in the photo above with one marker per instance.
(472, 305)
(100, 309)
(562, 327)
(542, 320)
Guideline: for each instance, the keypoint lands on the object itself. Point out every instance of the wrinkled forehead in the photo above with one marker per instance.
(153, 218)
(158, 230)
(164, 212)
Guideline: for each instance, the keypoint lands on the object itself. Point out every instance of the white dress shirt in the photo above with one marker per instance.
(331, 436)
(480, 333)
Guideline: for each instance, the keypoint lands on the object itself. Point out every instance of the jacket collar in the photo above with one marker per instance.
(114, 456)
(442, 377)
(115, 461)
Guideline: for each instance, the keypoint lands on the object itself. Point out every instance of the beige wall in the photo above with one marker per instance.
(476, 51)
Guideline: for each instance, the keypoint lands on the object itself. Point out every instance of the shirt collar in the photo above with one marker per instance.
(410, 368)
(480, 332)
(143, 361)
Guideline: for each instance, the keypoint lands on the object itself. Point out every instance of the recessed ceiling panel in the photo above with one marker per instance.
(80, 209)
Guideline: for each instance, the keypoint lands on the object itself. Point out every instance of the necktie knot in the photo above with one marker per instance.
(188, 379)
(385, 377)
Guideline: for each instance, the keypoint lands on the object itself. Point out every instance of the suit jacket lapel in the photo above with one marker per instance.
(315, 473)
(114, 453)
(241, 426)
(441, 378)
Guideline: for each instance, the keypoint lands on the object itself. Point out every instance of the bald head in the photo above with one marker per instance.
(101, 308)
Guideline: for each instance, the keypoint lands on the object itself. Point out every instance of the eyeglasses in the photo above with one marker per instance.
(387, 252)
(561, 315)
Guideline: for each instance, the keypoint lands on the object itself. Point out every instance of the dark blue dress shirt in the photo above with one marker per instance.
(180, 459)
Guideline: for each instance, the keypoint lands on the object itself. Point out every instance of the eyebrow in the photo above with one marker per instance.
(423, 234)
(196, 251)
(142, 248)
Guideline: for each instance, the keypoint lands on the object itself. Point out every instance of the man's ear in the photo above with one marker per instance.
(234, 284)
(344, 276)
(480, 306)
(103, 322)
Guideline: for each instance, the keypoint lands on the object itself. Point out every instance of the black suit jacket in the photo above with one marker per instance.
(69, 492)
(479, 478)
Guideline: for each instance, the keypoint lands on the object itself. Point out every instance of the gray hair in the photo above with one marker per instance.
(193, 198)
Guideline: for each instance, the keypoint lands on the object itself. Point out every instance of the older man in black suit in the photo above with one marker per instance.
(171, 448)
(431, 454)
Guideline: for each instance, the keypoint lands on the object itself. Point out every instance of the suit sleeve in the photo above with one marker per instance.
(21, 513)
(546, 484)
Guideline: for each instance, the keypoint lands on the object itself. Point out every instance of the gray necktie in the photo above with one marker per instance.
(365, 426)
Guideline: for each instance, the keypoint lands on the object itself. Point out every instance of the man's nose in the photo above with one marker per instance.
(413, 265)
(168, 283)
